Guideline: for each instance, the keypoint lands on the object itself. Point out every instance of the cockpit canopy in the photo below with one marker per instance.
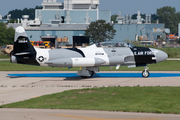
(114, 44)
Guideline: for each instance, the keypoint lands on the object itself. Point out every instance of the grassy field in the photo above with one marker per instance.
(172, 52)
(163, 66)
(3, 56)
(127, 99)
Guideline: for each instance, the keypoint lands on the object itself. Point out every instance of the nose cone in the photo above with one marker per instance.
(160, 55)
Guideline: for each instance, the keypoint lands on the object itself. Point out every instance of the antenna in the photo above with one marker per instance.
(139, 18)
(149, 18)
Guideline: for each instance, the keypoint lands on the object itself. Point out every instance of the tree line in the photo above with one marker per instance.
(6, 34)
(17, 13)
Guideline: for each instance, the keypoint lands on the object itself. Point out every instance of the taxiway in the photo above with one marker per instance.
(19, 88)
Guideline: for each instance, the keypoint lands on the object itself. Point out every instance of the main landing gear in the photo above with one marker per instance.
(91, 73)
(87, 72)
(145, 73)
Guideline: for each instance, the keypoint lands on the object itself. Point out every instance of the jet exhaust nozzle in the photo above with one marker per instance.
(13, 59)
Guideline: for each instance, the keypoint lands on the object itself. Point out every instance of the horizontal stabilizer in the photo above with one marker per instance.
(24, 53)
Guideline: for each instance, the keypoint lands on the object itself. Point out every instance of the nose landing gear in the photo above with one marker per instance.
(145, 73)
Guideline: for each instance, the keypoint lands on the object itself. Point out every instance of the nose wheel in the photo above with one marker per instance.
(145, 73)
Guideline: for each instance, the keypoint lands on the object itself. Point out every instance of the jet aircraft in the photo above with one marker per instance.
(89, 58)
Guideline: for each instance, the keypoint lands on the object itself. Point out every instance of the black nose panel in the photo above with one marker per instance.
(143, 56)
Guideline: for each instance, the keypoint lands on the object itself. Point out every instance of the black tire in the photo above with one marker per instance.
(145, 73)
(91, 73)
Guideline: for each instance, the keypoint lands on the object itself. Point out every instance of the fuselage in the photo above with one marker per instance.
(91, 56)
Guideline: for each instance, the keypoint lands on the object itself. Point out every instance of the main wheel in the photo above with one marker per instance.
(145, 73)
(90, 72)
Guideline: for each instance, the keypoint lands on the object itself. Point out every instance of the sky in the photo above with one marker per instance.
(125, 6)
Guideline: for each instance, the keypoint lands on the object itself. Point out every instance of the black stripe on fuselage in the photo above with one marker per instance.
(77, 50)
(143, 56)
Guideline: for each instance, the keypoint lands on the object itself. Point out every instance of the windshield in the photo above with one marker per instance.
(114, 44)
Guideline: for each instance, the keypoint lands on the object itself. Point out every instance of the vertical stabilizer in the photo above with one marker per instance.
(23, 51)
(21, 42)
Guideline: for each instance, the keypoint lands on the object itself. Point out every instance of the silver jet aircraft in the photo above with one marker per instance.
(89, 58)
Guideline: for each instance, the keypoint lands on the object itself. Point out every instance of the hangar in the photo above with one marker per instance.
(71, 18)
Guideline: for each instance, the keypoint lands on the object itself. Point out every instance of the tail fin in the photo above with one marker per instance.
(21, 42)
(23, 52)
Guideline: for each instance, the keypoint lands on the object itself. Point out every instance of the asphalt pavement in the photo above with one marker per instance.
(14, 89)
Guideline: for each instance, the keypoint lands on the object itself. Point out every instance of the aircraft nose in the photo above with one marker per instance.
(160, 55)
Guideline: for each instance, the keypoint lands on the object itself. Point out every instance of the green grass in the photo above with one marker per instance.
(172, 52)
(163, 66)
(127, 99)
(3, 56)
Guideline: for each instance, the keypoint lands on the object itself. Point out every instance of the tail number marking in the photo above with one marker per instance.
(22, 41)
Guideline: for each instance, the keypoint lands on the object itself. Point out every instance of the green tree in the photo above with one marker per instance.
(18, 13)
(6, 34)
(2, 33)
(113, 18)
(10, 32)
(100, 31)
(169, 17)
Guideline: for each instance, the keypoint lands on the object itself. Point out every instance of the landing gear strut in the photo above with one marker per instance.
(145, 73)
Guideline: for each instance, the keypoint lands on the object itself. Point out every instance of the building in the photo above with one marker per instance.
(71, 18)
(130, 29)
(5, 20)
